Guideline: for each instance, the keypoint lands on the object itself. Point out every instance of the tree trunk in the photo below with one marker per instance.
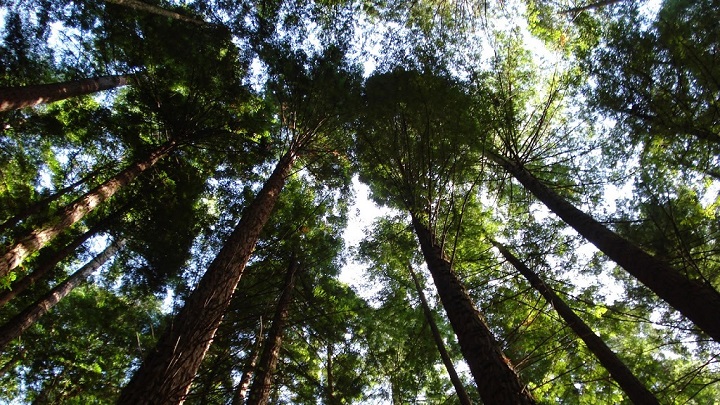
(32, 242)
(149, 8)
(13, 98)
(449, 366)
(697, 301)
(497, 382)
(330, 386)
(166, 374)
(249, 369)
(46, 266)
(38, 206)
(260, 389)
(598, 4)
(21, 322)
(635, 390)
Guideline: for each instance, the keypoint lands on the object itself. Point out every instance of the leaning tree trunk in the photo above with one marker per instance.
(37, 207)
(39, 237)
(21, 322)
(262, 383)
(166, 374)
(635, 390)
(699, 302)
(13, 98)
(46, 266)
(149, 8)
(242, 389)
(497, 381)
(447, 360)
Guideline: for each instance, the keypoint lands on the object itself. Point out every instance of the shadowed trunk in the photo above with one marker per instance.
(13, 98)
(32, 242)
(697, 301)
(262, 383)
(249, 369)
(635, 390)
(590, 6)
(166, 374)
(21, 322)
(447, 361)
(497, 382)
(149, 8)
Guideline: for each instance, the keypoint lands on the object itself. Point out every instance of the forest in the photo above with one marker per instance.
(189, 189)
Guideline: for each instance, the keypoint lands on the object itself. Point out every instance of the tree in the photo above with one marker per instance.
(636, 391)
(21, 322)
(27, 96)
(260, 389)
(690, 297)
(447, 361)
(407, 174)
(29, 243)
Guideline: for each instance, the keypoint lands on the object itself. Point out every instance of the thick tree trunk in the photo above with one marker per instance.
(497, 382)
(249, 369)
(699, 302)
(32, 242)
(166, 374)
(447, 360)
(262, 383)
(21, 322)
(45, 267)
(13, 98)
(149, 8)
(635, 390)
(330, 386)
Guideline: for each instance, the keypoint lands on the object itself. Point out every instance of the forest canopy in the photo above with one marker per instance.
(180, 183)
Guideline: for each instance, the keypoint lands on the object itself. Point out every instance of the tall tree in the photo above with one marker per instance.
(635, 390)
(262, 383)
(447, 361)
(12, 98)
(692, 298)
(30, 243)
(21, 322)
(404, 137)
(168, 372)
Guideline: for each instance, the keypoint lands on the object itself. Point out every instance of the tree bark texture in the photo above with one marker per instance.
(13, 98)
(45, 267)
(262, 383)
(699, 302)
(449, 366)
(74, 212)
(21, 322)
(497, 381)
(635, 390)
(149, 8)
(37, 207)
(249, 369)
(166, 374)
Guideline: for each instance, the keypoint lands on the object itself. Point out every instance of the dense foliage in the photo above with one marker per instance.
(583, 137)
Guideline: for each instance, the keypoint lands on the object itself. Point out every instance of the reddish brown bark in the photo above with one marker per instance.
(166, 374)
(635, 390)
(694, 299)
(13, 98)
(45, 267)
(262, 383)
(21, 322)
(496, 379)
(32, 242)
(444, 355)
